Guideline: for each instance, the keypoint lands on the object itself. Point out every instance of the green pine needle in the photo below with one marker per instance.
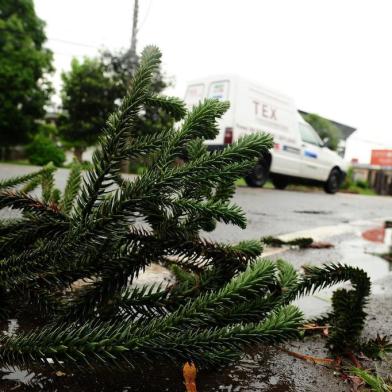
(75, 257)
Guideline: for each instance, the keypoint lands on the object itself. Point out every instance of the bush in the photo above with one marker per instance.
(43, 150)
(349, 179)
(362, 184)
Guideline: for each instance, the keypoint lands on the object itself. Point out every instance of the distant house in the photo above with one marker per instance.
(52, 113)
(51, 117)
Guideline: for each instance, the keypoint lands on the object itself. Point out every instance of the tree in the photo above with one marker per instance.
(325, 129)
(110, 229)
(43, 150)
(24, 67)
(121, 66)
(88, 96)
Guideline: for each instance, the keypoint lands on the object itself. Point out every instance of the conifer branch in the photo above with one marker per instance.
(14, 181)
(171, 105)
(71, 188)
(113, 143)
(106, 231)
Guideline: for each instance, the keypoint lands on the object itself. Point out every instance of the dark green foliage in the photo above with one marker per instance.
(71, 188)
(24, 65)
(88, 96)
(278, 243)
(362, 184)
(43, 150)
(377, 348)
(374, 381)
(155, 117)
(105, 230)
(356, 186)
(29, 178)
(348, 316)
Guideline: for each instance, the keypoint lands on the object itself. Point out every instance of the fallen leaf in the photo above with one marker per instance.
(321, 245)
(310, 358)
(189, 371)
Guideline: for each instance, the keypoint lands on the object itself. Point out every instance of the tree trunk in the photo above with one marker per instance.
(78, 152)
(124, 166)
(2, 153)
(5, 153)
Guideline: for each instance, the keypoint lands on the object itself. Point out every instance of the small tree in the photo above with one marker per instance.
(325, 129)
(107, 232)
(43, 150)
(121, 66)
(24, 65)
(88, 96)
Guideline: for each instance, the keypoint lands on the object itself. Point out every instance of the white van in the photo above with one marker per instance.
(299, 155)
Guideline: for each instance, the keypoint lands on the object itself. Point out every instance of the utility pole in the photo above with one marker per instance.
(132, 56)
(131, 61)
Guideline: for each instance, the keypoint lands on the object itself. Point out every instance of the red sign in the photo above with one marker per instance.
(381, 158)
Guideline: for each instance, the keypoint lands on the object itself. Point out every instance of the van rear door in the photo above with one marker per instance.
(213, 88)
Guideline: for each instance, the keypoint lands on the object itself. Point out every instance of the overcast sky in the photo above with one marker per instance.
(333, 57)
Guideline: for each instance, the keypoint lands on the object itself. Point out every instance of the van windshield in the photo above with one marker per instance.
(309, 135)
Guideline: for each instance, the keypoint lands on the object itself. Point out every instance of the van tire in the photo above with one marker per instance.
(333, 182)
(280, 182)
(258, 176)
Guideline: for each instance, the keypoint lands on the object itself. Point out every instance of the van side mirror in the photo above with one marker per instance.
(325, 141)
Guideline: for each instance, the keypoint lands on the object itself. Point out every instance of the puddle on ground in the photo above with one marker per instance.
(255, 371)
(356, 252)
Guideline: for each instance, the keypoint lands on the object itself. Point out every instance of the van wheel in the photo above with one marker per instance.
(333, 182)
(258, 176)
(280, 182)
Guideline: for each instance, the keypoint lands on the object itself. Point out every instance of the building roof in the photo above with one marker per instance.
(345, 129)
(368, 166)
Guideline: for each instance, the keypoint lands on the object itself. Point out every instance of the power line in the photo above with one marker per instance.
(23, 35)
(367, 141)
(145, 16)
(74, 43)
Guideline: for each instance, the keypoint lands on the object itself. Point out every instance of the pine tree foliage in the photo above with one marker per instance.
(104, 231)
(28, 178)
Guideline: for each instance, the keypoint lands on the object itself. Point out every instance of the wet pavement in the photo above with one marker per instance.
(275, 212)
(340, 219)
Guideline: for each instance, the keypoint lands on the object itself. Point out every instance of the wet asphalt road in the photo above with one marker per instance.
(270, 212)
(275, 212)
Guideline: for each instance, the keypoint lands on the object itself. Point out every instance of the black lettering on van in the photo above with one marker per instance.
(264, 110)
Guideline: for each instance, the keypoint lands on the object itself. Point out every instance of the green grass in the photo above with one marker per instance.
(359, 191)
(376, 383)
(241, 183)
(22, 162)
